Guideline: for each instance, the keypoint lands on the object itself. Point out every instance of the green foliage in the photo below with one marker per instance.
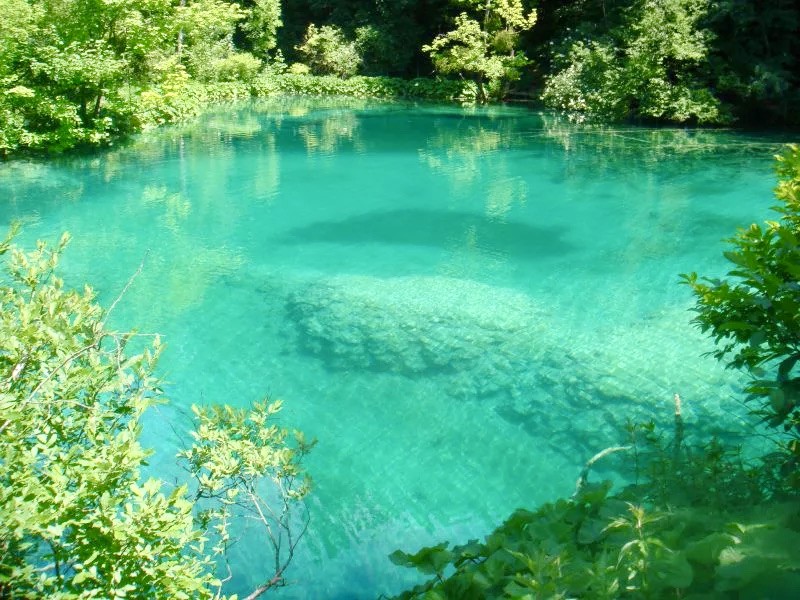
(84, 72)
(234, 451)
(326, 51)
(76, 518)
(298, 83)
(754, 58)
(381, 51)
(231, 66)
(388, 35)
(178, 98)
(261, 26)
(298, 69)
(754, 314)
(648, 67)
(75, 62)
(486, 51)
(207, 50)
(79, 73)
(663, 536)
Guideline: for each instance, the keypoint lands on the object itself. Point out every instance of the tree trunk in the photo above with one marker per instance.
(180, 34)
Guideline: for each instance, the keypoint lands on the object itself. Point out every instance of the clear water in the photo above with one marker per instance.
(461, 305)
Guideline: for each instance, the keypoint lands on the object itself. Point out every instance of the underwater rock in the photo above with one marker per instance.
(472, 341)
(480, 337)
(597, 382)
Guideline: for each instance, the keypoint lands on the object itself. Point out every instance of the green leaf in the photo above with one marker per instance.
(591, 531)
(672, 570)
(401, 559)
(707, 550)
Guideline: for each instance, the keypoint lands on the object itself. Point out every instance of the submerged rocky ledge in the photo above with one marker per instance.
(480, 342)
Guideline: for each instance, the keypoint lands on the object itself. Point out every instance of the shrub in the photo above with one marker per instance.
(697, 521)
(237, 66)
(76, 518)
(443, 90)
(326, 51)
(754, 313)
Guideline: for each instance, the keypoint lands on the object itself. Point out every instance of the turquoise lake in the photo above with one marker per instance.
(461, 305)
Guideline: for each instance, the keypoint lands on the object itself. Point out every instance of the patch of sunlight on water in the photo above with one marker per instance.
(461, 305)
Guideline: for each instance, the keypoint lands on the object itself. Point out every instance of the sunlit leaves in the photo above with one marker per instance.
(484, 46)
(262, 24)
(72, 518)
(645, 541)
(245, 464)
(76, 518)
(647, 67)
(81, 72)
(327, 52)
(754, 313)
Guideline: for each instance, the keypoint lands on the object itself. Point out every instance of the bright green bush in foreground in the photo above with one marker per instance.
(77, 520)
(697, 522)
(754, 313)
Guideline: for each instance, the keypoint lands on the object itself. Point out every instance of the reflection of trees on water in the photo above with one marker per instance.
(332, 133)
(474, 155)
(589, 151)
(168, 195)
(214, 174)
(325, 125)
(473, 158)
(176, 207)
(17, 177)
(659, 173)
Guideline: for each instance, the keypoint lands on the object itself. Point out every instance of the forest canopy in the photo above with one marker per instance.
(76, 73)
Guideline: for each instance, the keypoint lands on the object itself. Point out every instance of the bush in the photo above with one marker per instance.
(649, 67)
(326, 51)
(383, 52)
(178, 98)
(76, 518)
(442, 90)
(696, 521)
(299, 69)
(754, 314)
(237, 66)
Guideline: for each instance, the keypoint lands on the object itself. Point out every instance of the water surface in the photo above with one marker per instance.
(462, 306)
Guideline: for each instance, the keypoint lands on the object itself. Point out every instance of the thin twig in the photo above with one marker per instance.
(131, 279)
(95, 343)
(584, 476)
(679, 433)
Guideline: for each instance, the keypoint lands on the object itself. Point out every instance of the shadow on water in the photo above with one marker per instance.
(430, 228)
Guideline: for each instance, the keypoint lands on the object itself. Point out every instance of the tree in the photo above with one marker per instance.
(755, 58)
(484, 51)
(74, 66)
(76, 518)
(326, 51)
(261, 25)
(74, 72)
(646, 67)
(754, 313)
